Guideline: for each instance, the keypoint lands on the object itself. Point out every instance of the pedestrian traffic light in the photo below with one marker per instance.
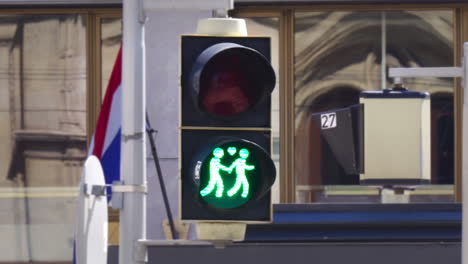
(226, 168)
(233, 173)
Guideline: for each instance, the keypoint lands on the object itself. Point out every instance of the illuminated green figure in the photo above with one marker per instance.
(215, 177)
(241, 179)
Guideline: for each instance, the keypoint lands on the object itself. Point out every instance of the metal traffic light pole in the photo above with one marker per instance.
(133, 154)
(451, 72)
(132, 248)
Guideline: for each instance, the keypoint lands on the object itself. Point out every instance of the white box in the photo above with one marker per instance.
(397, 137)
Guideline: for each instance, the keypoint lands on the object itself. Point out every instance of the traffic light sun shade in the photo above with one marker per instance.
(229, 79)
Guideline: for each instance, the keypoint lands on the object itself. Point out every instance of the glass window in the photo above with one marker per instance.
(43, 124)
(43, 133)
(111, 37)
(338, 55)
(269, 26)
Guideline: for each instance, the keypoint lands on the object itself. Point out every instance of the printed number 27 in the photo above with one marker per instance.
(328, 120)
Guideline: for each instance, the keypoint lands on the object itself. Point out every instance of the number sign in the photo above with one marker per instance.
(328, 120)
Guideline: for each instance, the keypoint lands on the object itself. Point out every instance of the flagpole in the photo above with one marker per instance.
(133, 159)
(150, 131)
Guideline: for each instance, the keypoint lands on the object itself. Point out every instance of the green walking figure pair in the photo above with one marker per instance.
(216, 181)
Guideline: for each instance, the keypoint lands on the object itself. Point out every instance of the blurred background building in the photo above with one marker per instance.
(56, 59)
(43, 126)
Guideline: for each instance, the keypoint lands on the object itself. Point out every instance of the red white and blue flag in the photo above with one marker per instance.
(105, 144)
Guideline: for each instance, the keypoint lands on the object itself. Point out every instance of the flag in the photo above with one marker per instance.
(105, 144)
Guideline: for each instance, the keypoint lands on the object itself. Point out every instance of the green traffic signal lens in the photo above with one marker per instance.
(229, 181)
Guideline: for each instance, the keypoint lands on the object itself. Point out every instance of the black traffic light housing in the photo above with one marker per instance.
(226, 85)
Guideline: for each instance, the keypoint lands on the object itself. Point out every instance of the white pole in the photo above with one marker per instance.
(172, 5)
(133, 159)
(383, 74)
(451, 72)
(444, 72)
(465, 158)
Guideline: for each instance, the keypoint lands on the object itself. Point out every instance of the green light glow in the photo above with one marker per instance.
(215, 177)
(227, 183)
(241, 165)
(232, 151)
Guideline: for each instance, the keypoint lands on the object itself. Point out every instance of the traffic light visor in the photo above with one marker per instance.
(229, 79)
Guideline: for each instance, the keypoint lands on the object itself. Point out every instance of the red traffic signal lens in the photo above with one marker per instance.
(225, 87)
(229, 79)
